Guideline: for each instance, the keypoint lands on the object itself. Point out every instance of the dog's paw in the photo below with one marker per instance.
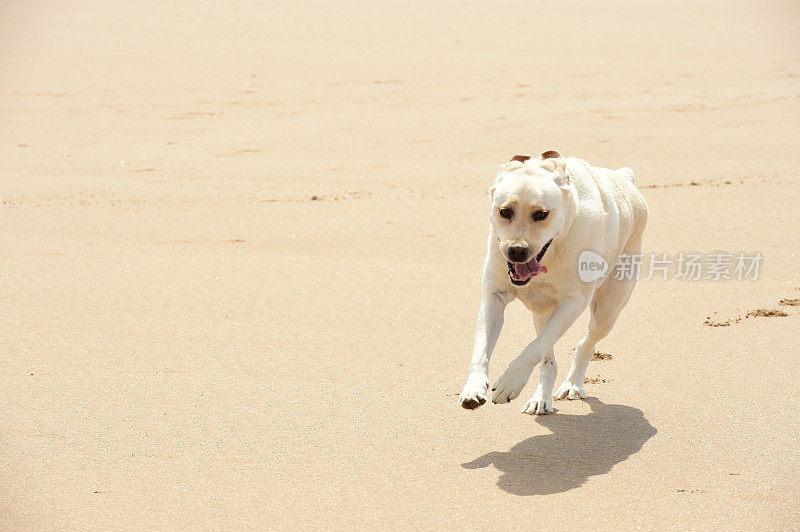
(538, 404)
(474, 393)
(510, 384)
(571, 390)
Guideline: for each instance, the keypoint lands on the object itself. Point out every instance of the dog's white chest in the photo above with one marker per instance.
(538, 297)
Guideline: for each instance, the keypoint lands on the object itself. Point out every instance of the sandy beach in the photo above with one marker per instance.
(241, 252)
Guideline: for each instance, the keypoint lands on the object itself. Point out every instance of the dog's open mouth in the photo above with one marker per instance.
(521, 273)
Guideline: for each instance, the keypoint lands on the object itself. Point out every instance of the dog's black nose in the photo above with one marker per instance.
(518, 253)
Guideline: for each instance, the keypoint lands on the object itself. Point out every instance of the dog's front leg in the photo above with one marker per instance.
(514, 379)
(487, 331)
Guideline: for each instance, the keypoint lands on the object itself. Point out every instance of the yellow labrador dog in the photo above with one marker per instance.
(548, 213)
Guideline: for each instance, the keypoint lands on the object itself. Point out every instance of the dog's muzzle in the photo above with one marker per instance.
(521, 273)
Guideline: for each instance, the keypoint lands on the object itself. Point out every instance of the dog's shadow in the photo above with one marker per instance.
(580, 446)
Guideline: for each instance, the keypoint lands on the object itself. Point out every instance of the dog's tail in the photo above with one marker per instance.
(627, 172)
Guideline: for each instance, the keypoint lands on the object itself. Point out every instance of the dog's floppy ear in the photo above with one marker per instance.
(562, 177)
(496, 180)
(553, 162)
(518, 161)
(560, 170)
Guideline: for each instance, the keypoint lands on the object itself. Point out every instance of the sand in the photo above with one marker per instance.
(241, 255)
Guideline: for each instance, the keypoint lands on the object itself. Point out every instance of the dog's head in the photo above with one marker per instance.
(528, 211)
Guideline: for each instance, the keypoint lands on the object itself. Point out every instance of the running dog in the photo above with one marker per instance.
(547, 214)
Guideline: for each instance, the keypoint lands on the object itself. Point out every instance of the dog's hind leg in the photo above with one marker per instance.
(542, 400)
(607, 302)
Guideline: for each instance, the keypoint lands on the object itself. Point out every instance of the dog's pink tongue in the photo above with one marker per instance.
(526, 270)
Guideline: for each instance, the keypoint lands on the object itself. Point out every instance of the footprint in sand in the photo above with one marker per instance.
(766, 313)
(757, 313)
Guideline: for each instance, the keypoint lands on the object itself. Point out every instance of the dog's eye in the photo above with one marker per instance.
(506, 213)
(538, 216)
